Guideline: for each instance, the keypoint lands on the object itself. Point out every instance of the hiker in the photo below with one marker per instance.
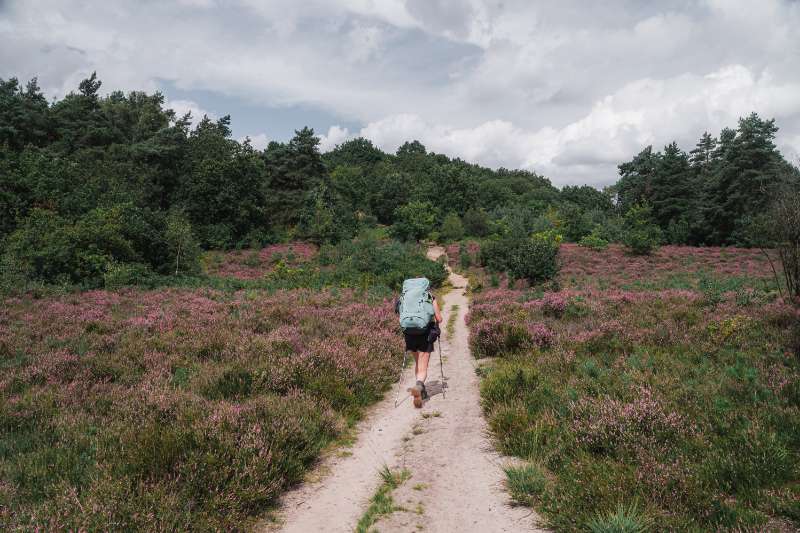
(419, 319)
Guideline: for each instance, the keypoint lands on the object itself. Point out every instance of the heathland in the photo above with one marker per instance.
(659, 392)
(187, 322)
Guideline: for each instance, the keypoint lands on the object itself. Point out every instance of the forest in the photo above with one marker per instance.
(93, 186)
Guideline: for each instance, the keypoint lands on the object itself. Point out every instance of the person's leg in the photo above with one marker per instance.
(422, 359)
(418, 391)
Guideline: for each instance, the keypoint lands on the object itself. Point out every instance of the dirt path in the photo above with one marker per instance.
(456, 479)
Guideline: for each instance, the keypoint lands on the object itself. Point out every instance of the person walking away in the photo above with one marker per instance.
(419, 319)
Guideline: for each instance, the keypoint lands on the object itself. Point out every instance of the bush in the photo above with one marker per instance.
(119, 275)
(594, 240)
(577, 222)
(495, 337)
(641, 235)
(49, 248)
(779, 228)
(476, 223)
(183, 244)
(464, 259)
(41, 248)
(612, 228)
(452, 228)
(533, 258)
(367, 261)
(414, 221)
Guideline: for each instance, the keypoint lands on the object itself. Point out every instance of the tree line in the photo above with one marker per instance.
(92, 183)
(712, 194)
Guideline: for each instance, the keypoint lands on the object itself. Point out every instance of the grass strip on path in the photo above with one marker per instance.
(382, 503)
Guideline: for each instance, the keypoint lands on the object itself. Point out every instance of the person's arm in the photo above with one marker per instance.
(436, 312)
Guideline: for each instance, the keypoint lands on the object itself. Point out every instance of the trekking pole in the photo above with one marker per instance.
(400, 379)
(441, 370)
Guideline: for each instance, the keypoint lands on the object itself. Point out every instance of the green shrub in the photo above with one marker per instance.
(464, 259)
(612, 228)
(368, 261)
(49, 248)
(641, 235)
(594, 240)
(577, 222)
(119, 275)
(414, 221)
(533, 258)
(182, 243)
(42, 248)
(476, 223)
(452, 228)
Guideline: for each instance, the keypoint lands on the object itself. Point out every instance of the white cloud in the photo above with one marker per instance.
(565, 87)
(181, 107)
(617, 126)
(335, 135)
(258, 141)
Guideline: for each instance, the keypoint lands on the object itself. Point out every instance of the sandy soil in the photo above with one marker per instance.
(456, 479)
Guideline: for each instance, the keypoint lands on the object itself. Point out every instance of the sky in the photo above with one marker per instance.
(568, 89)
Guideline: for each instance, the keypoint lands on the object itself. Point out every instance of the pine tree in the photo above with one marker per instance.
(748, 174)
(293, 169)
(671, 192)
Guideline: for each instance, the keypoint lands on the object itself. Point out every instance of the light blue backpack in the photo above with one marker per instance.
(416, 306)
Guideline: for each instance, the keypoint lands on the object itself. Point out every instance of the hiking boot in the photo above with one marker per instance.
(417, 392)
(424, 392)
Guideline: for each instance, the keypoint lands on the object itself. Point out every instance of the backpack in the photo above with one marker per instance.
(416, 306)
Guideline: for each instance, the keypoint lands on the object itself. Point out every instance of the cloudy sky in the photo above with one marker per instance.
(566, 88)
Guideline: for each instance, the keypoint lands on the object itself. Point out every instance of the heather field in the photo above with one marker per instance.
(661, 391)
(178, 409)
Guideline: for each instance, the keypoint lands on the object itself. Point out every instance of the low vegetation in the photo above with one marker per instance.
(180, 408)
(647, 391)
(382, 503)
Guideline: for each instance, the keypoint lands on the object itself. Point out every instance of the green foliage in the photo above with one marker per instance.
(525, 483)
(476, 223)
(382, 503)
(594, 240)
(532, 258)
(709, 195)
(183, 245)
(414, 221)
(464, 257)
(42, 248)
(292, 170)
(577, 222)
(365, 262)
(222, 193)
(641, 235)
(50, 248)
(452, 228)
(91, 151)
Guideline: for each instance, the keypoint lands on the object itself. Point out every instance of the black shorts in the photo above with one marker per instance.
(418, 343)
(422, 342)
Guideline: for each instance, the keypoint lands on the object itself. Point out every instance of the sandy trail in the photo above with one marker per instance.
(456, 479)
